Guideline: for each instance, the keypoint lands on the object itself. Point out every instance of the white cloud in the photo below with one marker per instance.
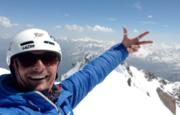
(160, 52)
(95, 28)
(149, 16)
(58, 26)
(138, 6)
(136, 31)
(5, 22)
(148, 22)
(74, 27)
(165, 25)
(67, 15)
(98, 28)
(112, 19)
(8, 28)
(29, 25)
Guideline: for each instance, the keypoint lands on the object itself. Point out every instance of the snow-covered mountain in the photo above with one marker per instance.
(130, 91)
(162, 59)
(74, 50)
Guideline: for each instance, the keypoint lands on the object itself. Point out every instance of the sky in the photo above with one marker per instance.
(96, 19)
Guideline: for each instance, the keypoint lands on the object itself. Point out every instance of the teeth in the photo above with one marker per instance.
(37, 77)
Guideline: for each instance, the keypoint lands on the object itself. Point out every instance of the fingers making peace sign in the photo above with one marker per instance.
(133, 44)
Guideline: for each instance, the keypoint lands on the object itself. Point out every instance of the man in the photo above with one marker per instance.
(33, 58)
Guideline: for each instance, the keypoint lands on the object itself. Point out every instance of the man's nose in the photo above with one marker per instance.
(39, 66)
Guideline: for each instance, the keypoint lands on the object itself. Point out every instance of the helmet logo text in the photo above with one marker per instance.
(27, 45)
(38, 34)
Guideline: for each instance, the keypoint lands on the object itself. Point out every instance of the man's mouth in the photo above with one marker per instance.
(38, 77)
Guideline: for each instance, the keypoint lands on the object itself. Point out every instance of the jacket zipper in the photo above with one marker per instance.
(48, 101)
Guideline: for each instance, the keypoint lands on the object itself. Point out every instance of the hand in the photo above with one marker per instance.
(133, 44)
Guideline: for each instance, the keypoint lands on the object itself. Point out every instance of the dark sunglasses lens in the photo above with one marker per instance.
(27, 59)
(49, 58)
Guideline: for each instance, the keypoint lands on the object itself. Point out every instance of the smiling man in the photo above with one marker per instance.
(36, 69)
(34, 57)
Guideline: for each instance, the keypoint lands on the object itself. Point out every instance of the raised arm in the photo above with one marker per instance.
(80, 83)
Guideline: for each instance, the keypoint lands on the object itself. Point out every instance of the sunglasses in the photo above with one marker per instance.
(28, 59)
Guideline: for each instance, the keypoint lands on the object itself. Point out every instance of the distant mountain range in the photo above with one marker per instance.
(162, 59)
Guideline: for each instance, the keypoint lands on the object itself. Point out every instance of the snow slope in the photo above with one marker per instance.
(121, 96)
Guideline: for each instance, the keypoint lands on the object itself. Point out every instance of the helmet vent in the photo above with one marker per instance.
(48, 42)
(26, 43)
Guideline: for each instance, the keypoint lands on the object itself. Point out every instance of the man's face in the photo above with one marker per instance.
(36, 70)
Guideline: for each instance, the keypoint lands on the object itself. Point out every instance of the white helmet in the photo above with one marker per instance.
(32, 40)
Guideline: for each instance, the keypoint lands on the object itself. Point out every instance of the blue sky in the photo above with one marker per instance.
(97, 19)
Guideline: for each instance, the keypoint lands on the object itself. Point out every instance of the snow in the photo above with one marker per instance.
(115, 96)
(177, 110)
(4, 71)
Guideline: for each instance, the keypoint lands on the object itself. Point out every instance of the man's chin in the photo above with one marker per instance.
(42, 87)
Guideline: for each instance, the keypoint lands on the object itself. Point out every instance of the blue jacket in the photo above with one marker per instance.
(74, 89)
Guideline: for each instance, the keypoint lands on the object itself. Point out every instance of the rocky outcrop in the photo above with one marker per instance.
(168, 100)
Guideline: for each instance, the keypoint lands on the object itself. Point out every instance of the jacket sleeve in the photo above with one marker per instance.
(19, 111)
(12, 111)
(80, 83)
